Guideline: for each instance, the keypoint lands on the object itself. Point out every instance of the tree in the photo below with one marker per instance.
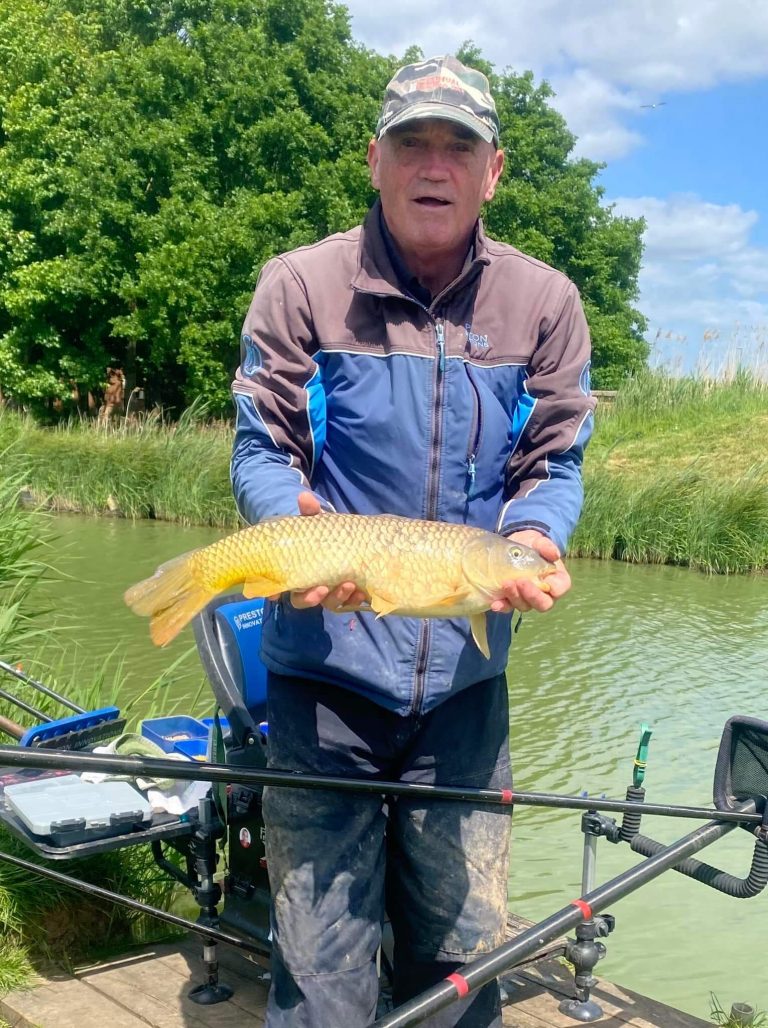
(151, 160)
(154, 156)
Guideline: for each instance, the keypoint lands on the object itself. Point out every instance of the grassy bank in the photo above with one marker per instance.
(145, 469)
(677, 472)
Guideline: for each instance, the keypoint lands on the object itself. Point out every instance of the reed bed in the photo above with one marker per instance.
(677, 471)
(141, 469)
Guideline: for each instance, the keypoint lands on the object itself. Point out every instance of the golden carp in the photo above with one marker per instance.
(408, 567)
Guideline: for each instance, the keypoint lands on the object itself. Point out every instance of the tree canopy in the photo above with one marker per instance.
(153, 155)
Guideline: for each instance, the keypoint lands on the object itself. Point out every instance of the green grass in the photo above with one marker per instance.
(720, 1016)
(677, 471)
(144, 469)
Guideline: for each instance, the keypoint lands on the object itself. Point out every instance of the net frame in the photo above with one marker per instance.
(741, 770)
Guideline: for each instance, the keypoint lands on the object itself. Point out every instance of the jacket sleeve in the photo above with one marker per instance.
(279, 399)
(551, 426)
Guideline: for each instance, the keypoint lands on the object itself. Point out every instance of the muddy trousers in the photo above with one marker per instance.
(336, 860)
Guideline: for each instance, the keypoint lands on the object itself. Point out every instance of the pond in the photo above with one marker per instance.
(630, 644)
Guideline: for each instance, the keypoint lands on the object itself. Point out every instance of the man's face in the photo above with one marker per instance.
(433, 177)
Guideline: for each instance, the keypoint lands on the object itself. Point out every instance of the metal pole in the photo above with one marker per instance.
(22, 677)
(162, 915)
(479, 972)
(43, 718)
(200, 771)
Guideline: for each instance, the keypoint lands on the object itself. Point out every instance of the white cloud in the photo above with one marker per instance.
(603, 57)
(703, 281)
(593, 108)
(687, 228)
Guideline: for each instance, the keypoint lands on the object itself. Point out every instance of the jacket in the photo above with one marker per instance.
(475, 409)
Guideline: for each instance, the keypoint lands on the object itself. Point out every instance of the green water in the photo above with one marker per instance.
(676, 649)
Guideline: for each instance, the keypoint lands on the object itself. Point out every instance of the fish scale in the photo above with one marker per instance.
(407, 566)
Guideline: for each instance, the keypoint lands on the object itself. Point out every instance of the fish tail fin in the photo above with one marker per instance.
(171, 598)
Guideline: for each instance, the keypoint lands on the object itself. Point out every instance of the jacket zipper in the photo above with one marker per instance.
(431, 505)
(476, 431)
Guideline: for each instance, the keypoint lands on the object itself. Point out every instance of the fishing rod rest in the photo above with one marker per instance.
(201, 863)
(584, 952)
(738, 888)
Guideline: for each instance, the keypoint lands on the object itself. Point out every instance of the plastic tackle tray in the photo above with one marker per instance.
(68, 810)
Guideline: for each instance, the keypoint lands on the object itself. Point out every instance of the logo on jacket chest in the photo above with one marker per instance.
(478, 344)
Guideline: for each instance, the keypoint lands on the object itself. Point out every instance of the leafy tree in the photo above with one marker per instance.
(154, 156)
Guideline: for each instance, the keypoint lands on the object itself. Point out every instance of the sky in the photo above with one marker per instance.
(695, 166)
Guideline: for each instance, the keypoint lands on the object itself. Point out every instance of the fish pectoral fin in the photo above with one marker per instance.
(479, 626)
(262, 587)
(382, 605)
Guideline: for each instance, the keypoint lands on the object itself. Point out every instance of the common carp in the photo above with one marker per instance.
(412, 568)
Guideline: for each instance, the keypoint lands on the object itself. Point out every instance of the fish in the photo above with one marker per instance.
(408, 567)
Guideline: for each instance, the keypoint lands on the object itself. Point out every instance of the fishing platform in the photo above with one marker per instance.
(148, 988)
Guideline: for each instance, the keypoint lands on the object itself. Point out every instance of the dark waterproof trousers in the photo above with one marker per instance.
(334, 858)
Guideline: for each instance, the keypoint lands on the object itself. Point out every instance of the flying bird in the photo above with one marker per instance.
(661, 103)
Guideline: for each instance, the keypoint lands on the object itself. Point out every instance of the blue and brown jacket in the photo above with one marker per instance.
(474, 408)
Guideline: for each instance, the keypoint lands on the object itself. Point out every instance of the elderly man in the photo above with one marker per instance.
(410, 366)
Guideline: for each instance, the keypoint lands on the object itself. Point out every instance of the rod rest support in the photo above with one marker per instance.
(707, 874)
(599, 825)
(584, 952)
(170, 869)
(201, 863)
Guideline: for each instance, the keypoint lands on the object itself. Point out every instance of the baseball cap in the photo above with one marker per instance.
(440, 87)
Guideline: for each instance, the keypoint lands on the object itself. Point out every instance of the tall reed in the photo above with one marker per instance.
(678, 473)
(675, 472)
(174, 472)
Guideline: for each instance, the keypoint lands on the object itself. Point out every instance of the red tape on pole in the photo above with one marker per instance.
(507, 795)
(460, 984)
(583, 907)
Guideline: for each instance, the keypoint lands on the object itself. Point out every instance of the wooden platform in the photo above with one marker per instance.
(148, 989)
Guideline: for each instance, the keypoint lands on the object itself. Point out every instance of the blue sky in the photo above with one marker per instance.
(696, 167)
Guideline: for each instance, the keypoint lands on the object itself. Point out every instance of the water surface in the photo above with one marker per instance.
(666, 646)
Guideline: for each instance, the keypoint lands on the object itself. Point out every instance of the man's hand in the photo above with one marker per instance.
(345, 596)
(523, 595)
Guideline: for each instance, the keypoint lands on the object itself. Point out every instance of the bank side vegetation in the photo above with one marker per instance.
(676, 472)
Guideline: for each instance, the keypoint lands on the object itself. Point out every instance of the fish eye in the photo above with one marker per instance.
(515, 552)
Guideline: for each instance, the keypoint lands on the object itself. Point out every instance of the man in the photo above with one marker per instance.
(411, 366)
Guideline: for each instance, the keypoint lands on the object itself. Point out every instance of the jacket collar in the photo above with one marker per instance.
(375, 270)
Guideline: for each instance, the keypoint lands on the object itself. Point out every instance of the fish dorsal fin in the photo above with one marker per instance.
(479, 626)
(262, 587)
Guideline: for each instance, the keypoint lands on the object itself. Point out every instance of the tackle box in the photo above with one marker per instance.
(69, 811)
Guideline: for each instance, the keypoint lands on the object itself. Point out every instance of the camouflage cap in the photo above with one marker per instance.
(440, 87)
